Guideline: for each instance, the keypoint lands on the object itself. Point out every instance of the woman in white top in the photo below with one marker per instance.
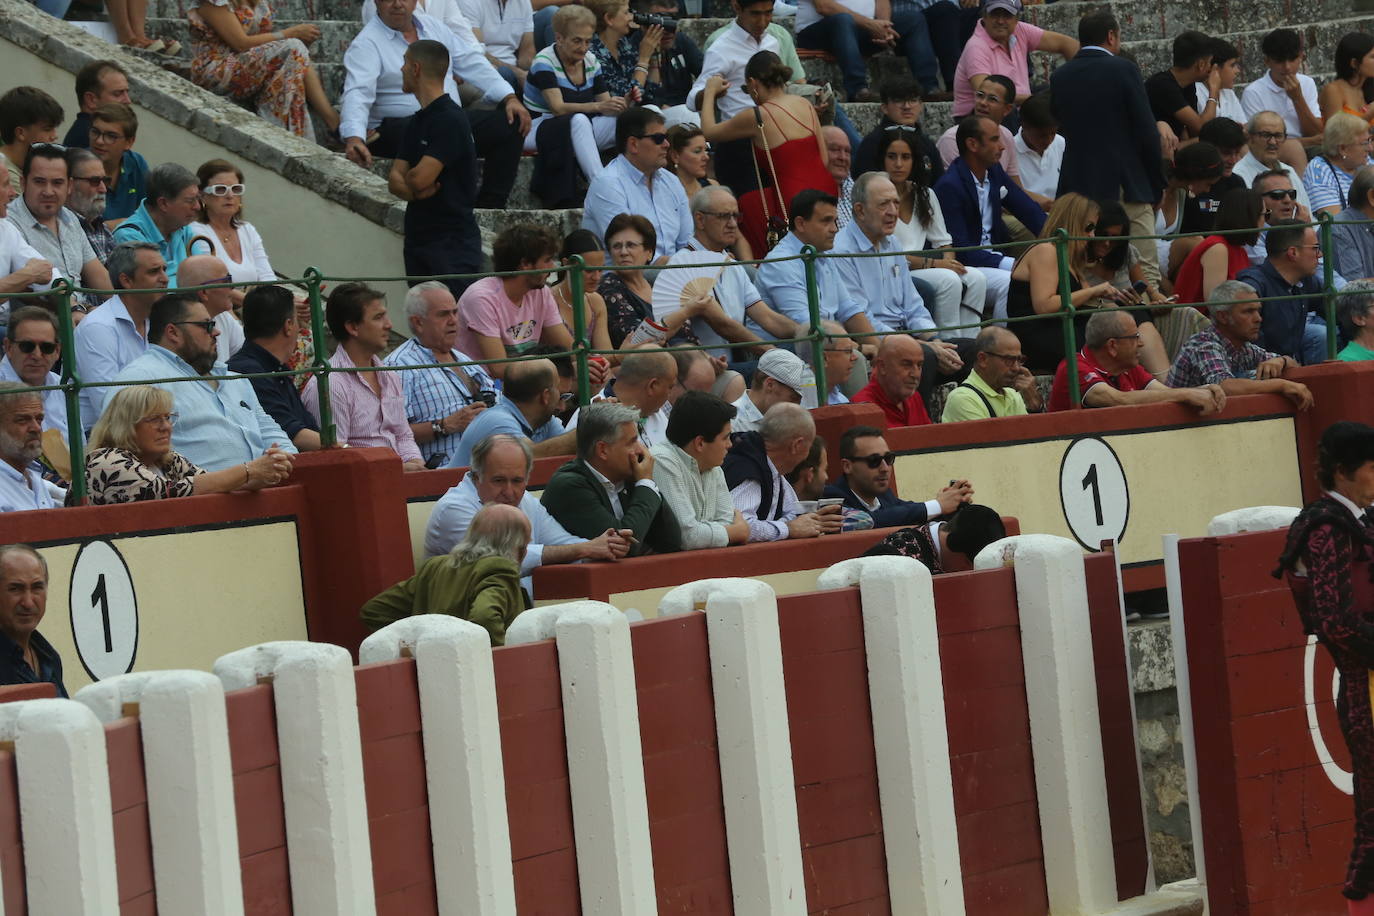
(960, 291)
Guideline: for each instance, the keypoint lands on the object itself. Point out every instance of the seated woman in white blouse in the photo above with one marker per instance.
(961, 292)
(234, 241)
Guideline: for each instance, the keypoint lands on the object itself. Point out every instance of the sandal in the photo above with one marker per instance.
(171, 48)
(154, 46)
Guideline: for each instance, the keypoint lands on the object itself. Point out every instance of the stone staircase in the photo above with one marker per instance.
(1149, 28)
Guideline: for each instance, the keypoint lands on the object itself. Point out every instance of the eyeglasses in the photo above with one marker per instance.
(98, 181)
(565, 396)
(626, 246)
(990, 96)
(904, 128)
(207, 326)
(730, 216)
(1135, 337)
(875, 460)
(46, 347)
(1089, 228)
(1270, 135)
(1281, 193)
(160, 419)
(223, 190)
(109, 136)
(1018, 359)
(657, 139)
(851, 352)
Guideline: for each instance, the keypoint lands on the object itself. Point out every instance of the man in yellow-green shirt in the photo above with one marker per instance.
(1000, 385)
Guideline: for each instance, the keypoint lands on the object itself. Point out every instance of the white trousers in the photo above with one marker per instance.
(590, 135)
(959, 298)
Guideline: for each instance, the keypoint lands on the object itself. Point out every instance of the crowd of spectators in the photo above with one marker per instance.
(939, 297)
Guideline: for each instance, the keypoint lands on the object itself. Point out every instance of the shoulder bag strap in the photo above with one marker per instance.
(763, 192)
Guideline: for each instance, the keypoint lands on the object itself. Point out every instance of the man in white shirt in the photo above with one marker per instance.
(1039, 147)
(506, 30)
(1267, 136)
(21, 443)
(1284, 89)
(204, 269)
(500, 472)
(715, 214)
(375, 110)
(781, 378)
(756, 469)
(644, 381)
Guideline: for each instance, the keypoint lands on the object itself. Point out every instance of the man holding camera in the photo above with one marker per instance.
(440, 402)
(679, 60)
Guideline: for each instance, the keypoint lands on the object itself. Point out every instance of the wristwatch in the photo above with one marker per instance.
(438, 427)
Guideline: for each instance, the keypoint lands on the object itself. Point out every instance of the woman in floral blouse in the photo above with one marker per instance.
(628, 71)
(131, 457)
(237, 53)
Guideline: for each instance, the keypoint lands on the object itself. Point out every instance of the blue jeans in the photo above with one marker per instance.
(543, 27)
(843, 123)
(1313, 340)
(840, 35)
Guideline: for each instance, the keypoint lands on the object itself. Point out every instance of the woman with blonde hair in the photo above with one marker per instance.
(131, 457)
(1035, 284)
(1345, 150)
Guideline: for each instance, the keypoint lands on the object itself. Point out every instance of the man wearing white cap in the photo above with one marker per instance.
(781, 378)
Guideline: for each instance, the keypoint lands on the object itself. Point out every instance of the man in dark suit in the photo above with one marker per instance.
(974, 177)
(610, 483)
(867, 483)
(1112, 144)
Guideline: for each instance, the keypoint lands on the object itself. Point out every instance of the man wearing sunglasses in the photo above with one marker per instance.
(637, 181)
(866, 483)
(86, 199)
(31, 350)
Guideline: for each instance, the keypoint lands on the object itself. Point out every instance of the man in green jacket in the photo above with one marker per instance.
(610, 484)
(479, 580)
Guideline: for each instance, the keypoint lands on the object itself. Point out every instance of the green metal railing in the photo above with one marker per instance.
(582, 351)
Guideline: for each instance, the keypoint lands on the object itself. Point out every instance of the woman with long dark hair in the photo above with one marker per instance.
(1329, 566)
(1352, 91)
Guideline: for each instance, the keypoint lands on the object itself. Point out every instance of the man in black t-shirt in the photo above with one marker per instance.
(901, 105)
(436, 171)
(1173, 92)
(1231, 142)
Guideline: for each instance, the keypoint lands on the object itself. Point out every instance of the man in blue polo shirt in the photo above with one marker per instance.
(436, 172)
(528, 407)
(172, 204)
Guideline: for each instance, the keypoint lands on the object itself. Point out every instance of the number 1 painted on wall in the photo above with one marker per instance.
(98, 594)
(1089, 480)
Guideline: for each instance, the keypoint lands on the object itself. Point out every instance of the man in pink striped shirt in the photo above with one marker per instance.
(369, 408)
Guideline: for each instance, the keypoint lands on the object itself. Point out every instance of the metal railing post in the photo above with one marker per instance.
(313, 278)
(1061, 252)
(813, 309)
(71, 392)
(1328, 281)
(577, 282)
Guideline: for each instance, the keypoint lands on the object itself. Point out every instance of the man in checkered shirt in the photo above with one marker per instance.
(1226, 353)
(440, 402)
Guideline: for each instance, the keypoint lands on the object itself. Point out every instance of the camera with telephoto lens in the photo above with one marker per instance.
(644, 20)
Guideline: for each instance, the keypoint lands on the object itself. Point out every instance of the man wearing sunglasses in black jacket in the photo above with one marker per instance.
(867, 483)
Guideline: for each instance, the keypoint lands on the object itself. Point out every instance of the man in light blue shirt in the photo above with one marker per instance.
(815, 222)
(500, 472)
(114, 335)
(164, 217)
(219, 420)
(528, 407)
(21, 422)
(637, 182)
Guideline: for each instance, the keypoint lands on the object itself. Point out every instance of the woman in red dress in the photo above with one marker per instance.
(788, 125)
(1329, 565)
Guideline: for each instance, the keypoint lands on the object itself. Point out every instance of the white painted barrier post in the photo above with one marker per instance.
(1066, 737)
(754, 738)
(911, 742)
(64, 807)
(327, 839)
(615, 866)
(1256, 518)
(462, 738)
(190, 784)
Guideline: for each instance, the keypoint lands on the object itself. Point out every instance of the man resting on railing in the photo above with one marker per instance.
(866, 483)
(1226, 353)
(755, 469)
(1110, 374)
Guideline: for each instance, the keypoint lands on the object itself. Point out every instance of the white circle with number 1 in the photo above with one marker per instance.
(1093, 492)
(104, 611)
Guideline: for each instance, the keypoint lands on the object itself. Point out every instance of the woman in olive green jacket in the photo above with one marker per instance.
(479, 580)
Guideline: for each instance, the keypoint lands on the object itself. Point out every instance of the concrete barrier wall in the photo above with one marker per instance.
(1273, 779)
(370, 745)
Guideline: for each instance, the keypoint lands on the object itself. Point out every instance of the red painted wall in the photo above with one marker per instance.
(1276, 832)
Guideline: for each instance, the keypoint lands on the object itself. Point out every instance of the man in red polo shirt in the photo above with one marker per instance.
(1110, 374)
(896, 373)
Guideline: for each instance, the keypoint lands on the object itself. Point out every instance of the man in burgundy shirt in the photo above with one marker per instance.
(1110, 374)
(896, 374)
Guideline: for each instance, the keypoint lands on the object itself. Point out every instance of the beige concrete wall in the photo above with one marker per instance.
(300, 228)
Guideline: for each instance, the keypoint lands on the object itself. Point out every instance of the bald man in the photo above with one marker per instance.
(1000, 385)
(528, 407)
(203, 270)
(896, 376)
